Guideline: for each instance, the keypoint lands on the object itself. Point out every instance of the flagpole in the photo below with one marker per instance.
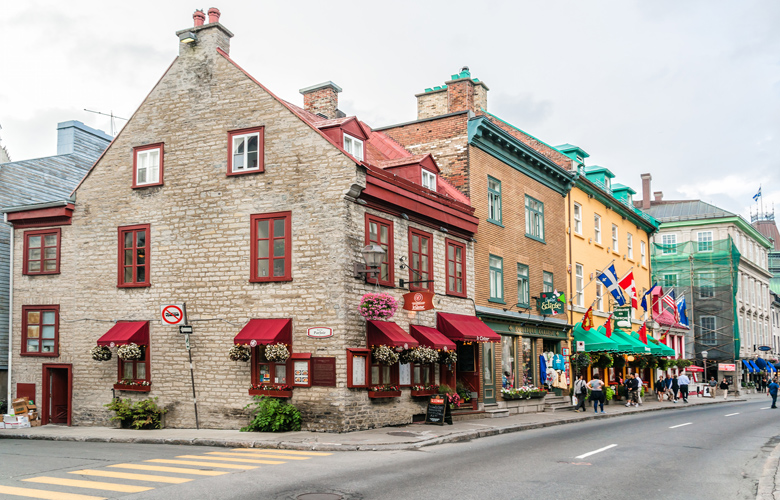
(596, 276)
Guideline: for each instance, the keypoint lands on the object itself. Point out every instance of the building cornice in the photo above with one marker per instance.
(736, 220)
(650, 225)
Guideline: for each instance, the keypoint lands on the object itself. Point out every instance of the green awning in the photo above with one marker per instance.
(655, 349)
(593, 341)
(665, 349)
(622, 346)
(637, 347)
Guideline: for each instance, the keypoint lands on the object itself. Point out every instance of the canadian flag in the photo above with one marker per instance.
(627, 284)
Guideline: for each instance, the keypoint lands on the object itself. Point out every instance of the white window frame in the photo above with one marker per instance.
(713, 330)
(630, 246)
(141, 159)
(353, 146)
(577, 218)
(579, 283)
(245, 154)
(643, 252)
(709, 287)
(597, 228)
(615, 246)
(699, 240)
(429, 180)
(669, 240)
(599, 296)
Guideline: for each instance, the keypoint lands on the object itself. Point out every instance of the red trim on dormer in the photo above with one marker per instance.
(42, 217)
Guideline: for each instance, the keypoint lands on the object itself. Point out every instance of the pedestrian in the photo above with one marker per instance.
(668, 384)
(713, 386)
(683, 380)
(771, 390)
(639, 389)
(675, 388)
(660, 388)
(724, 386)
(632, 384)
(597, 393)
(581, 392)
(764, 384)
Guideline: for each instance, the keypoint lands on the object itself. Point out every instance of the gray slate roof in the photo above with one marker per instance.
(668, 211)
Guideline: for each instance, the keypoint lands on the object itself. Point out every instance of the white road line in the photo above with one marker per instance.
(597, 451)
(681, 425)
(766, 408)
(731, 414)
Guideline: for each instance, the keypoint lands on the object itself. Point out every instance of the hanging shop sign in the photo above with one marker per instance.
(418, 301)
(549, 305)
(319, 332)
(622, 316)
(172, 314)
(727, 367)
(764, 348)
(580, 346)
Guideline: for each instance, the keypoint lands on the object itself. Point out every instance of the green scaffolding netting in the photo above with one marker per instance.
(706, 272)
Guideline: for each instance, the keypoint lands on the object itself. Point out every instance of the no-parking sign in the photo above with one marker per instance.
(172, 314)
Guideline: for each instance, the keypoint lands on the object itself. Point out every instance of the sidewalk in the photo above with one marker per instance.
(387, 438)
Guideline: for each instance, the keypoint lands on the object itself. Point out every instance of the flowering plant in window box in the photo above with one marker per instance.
(421, 390)
(239, 353)
(378, 306)
(384, 391)
(100, 353)
(423, 355)
(276, 353)
(448, 357)
(274, 391)
(129, 352)
(385, 355)
(131, 385)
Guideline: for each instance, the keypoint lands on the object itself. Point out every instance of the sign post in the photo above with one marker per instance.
(176, 314)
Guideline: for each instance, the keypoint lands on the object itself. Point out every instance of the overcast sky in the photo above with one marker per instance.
(686, 90)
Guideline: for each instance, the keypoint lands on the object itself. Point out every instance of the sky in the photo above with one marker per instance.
(688, 91)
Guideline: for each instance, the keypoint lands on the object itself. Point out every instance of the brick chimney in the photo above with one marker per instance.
(659, 196)
(208, 37)
(322, 99)
(646, 178)
(461, 93)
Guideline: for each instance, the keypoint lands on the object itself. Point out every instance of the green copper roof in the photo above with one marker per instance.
(595, 169)
(438, 87)
(464, 73)
(576, 153)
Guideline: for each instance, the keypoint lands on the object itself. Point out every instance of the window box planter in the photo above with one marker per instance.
(425, 393)
(538, 395)
(133, 388)
(384, 394)
(270, 393)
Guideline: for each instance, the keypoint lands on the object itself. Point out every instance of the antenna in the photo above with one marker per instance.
(113, 125)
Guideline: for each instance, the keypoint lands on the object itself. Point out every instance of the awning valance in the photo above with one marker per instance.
(389, 334)
(460, 327)
(665, 349)
(594, 342)
(126, 332)
(266, 331)
(621, 345)
(748, 366)
(431, 337)
(756, 368)
(637, 347)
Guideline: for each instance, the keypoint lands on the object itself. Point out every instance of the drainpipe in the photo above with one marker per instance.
(10, 304)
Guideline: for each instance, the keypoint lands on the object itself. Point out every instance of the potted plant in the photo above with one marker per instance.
(270, 390)
(276, 353)
(384, 391)
(608, 394)
(131, 385)
(129, 352)
(448, 357)
(467, 395)
(378, 306)
(239, 352)
(100, 353)
(423, 390)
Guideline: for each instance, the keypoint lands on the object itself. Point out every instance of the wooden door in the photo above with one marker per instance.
(57, 390)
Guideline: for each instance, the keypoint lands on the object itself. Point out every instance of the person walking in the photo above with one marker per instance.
(597, 393)
(771, 390)
(684, 381)
(675, 388)
(763, 384)
(632, 385)
(668, 384)
(724, 386)
(713, 386)
(581, 391)
(660, 388)
(639, 388)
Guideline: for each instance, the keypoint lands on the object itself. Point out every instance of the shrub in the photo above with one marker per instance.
(144, 414)
(272, 415)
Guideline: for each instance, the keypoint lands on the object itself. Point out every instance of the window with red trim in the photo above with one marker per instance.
(380, 231)
(358, 364)
(420, 260)
(136, 370)
(456, 268)
(134, 246)
(40, 330)
(148, 165)
(42, 252)
(271, 247)
(246, 151)
(269, 373)
(422, 374)
(383, 374)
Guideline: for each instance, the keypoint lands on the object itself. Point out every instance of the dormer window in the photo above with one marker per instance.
(353, 146)
(429, 180)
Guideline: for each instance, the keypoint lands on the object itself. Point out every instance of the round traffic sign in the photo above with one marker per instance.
(172, 315)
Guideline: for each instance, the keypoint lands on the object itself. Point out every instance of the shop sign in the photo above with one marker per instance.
(727, 367)
(622, 316)
(418, 301)
(319, 332)
(764, 348)
(580, 346)
(549, 305)
(172, 314)
(692, 369)
(548, 333)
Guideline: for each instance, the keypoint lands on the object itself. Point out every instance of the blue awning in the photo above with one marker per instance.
(748, 366)
(756, 369)
(760, 363)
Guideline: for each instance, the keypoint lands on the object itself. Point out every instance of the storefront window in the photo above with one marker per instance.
(269, 372)
(422, 374)
(528, 362)
(507, 362)
(380, 374)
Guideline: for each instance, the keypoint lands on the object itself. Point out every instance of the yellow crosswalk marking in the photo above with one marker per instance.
(257, 455)
(46, 495)
(247, 460)
(130, 475)
(95, 485)
(202, 464)
(177, 470)
(284, 452)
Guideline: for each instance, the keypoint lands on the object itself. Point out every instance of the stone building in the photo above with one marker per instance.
(247, 216)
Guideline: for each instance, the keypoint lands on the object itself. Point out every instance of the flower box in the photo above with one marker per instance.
(134, 388)
(427, 392)
(270, 393)
(384, 394)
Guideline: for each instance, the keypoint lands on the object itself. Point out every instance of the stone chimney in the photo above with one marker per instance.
(646, 178)
(659, 196)
(322, 99)
(461, 93)
(207, 38)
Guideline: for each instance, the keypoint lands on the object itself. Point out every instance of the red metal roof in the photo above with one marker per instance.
(389, 334)
(266, 331)
(465, 328)
(126, 332)
(431, 337)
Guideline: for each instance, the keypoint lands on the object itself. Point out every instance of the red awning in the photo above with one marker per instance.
(266, 331)
(126, 332)
(389, 334)
(465, 328)
(665, 318)
(431, 337)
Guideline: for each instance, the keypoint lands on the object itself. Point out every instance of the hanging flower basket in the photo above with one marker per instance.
(129, 352)
(378, 306)
(277, 353)
(385, 355)
(448, 357)
(239, 353)
(100, 353)
(425, 355)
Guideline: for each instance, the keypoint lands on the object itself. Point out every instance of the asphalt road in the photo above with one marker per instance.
(704, 452)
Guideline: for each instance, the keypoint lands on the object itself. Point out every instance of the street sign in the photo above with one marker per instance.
(172, 314)
(580, 346)
(319, 332)
(764, 348)
(185, 329)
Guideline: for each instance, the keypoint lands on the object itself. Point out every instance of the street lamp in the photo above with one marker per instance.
(373, 255)
(704, 362)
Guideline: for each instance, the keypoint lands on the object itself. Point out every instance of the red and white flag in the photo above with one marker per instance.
(643, 333)
(627, 284)
(608, 326)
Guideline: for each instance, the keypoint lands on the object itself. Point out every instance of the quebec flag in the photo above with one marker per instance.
(681, 312)
(609, 278)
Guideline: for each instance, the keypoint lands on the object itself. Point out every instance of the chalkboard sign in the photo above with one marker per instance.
(438, 410)
(323, 372)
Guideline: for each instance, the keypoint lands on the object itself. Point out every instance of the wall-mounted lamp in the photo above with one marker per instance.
(373, 255)
(361, 201)
(473, 240)
(188, 37)
(443, 229)
(405, 216)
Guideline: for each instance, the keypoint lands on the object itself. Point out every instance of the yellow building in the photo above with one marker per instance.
(604, 228)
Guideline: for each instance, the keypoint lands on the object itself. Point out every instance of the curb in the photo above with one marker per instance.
(457, 437)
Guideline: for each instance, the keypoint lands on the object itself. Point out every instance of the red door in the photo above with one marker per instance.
(56, 394)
